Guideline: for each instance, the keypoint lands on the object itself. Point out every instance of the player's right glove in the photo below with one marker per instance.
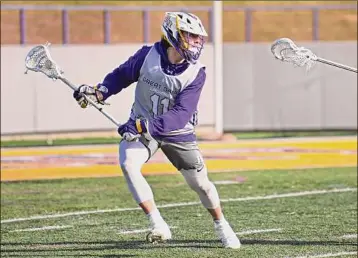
(133, 129)
(95, 93)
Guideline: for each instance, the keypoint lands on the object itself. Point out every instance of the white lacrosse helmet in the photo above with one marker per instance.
(185, 32)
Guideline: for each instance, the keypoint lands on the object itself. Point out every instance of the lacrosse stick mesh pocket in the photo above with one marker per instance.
(285, 50)
(39, 60)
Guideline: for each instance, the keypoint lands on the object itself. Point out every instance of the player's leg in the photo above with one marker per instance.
(186, 157)
(132, 157)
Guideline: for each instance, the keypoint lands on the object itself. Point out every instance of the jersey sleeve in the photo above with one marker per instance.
(126, 74)
(185, 105)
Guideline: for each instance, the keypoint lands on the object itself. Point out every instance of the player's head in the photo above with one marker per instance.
(184, 32)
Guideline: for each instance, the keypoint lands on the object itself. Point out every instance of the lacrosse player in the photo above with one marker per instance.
(169, 80)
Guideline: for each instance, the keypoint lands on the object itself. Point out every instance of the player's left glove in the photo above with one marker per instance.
(133, 129)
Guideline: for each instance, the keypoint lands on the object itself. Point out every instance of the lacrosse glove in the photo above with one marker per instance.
(133, 129)
(95, 93)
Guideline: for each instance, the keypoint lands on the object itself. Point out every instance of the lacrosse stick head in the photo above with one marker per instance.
(40, 60)
(285, 49)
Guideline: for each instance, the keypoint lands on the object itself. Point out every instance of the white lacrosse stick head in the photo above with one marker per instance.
(285, 49)
(39, 60)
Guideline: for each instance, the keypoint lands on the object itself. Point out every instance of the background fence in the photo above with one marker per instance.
(146, 21)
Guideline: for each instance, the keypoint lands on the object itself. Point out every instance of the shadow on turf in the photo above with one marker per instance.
(124, 245)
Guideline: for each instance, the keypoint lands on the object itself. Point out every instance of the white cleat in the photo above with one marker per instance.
(227, 236)
(159, 233)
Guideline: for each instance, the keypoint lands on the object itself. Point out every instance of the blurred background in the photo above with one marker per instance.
(261, 96)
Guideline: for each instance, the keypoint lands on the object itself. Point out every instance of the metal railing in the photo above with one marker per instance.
(146, 19)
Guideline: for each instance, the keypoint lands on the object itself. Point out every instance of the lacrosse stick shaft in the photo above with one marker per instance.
(325, 61)
(72, 86)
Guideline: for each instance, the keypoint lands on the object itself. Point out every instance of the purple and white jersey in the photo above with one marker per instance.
(166, 94)
(156, 91)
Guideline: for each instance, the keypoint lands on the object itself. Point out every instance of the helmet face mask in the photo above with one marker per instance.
(192, 44)
(185, 33)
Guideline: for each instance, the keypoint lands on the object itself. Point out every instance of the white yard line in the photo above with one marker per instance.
(349, 236)
(137, 231)
(134, 231)
(248, 232)
(40, 229)
(328, 255)
(181, 204)
(257, 231)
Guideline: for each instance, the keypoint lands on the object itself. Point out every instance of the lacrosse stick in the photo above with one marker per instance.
(40, 60)
(285, 50)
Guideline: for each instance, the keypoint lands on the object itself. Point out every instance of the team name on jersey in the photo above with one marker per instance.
(159, 88)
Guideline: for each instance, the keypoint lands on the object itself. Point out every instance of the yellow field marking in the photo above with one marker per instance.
(156, 169)
(247, 160)
(347, 144)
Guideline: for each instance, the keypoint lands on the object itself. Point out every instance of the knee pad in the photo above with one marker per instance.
(200, 183)
(132, 156)
(128, 167)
